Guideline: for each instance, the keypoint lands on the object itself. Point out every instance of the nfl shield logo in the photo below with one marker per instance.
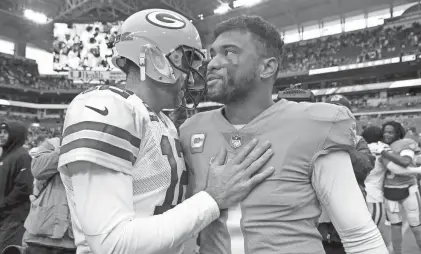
(235, 141)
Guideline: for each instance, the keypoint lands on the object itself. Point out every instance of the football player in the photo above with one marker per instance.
(400, 190)
(310, 143)
(121, 162)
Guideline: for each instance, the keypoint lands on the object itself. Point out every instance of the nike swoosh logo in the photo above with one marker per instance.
(99, 111)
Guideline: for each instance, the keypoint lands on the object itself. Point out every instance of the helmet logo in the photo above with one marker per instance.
(165, 19)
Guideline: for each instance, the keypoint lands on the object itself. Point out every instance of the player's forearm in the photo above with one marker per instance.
(417, 160)
(159, 233)
(403, 161)
(398, 170)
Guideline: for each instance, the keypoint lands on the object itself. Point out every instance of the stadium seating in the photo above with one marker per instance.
(355, 47)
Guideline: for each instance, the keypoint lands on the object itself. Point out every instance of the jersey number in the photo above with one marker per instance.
(123, 93)
(169, 196)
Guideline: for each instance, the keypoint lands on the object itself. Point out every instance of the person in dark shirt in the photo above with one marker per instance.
(16, 183)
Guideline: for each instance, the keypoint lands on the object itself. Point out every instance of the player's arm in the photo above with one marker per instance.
(398, 170)
(104, 199)
(404, 159)
(417, 160)
(340, 196)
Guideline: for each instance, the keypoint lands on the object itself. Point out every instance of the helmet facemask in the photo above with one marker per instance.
(189, 61)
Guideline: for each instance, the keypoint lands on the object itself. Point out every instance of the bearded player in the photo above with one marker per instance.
(309, 141)
(120, 160)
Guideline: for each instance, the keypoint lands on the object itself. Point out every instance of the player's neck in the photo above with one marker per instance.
(243, 112)
(147, 95)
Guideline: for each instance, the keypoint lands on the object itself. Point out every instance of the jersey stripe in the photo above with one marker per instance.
(101, 136)
(94, 144)
(105, 128)
(235, 230)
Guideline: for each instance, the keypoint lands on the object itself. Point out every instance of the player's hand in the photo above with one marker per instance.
(230, 183)
(379, 148)
(417, 160)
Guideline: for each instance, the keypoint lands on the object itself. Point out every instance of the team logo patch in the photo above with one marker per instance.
(166, 20)
(235, 141)
(197, 143)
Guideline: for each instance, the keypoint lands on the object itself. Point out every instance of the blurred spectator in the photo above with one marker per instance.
(48, 226)
(15, 183)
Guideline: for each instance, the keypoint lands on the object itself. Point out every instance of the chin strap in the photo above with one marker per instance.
(142, 65)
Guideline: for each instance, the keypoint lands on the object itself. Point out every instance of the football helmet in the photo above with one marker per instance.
(340, 100)
(166, 46)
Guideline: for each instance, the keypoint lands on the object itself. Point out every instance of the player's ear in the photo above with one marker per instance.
(269, 67)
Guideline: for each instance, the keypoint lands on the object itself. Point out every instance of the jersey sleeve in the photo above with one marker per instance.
(402, 147)
(102, 128)
(404, 144)
(343, 131)
(341, 134)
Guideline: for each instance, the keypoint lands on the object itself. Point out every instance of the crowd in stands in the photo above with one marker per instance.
(16, 71)
(353, 47)
(79, 46)
(394, 102)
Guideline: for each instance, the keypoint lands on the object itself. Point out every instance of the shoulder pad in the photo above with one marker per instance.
(104, 128)
(199, 117)
(328, 112)
(404, 144)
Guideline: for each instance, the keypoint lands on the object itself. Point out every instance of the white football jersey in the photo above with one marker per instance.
(113, 128)
(374, 181)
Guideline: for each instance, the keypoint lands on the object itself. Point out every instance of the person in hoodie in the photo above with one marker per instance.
(16, 183)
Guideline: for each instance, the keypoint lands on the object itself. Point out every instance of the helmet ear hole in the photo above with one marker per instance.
(123, 64)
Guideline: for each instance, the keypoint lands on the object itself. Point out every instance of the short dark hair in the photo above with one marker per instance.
(264, 32)
(372, 134)
(399, 129)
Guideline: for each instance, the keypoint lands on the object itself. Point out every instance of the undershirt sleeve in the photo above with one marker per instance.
(337, 190)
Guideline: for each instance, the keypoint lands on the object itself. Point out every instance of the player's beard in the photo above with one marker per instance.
(233, 90)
